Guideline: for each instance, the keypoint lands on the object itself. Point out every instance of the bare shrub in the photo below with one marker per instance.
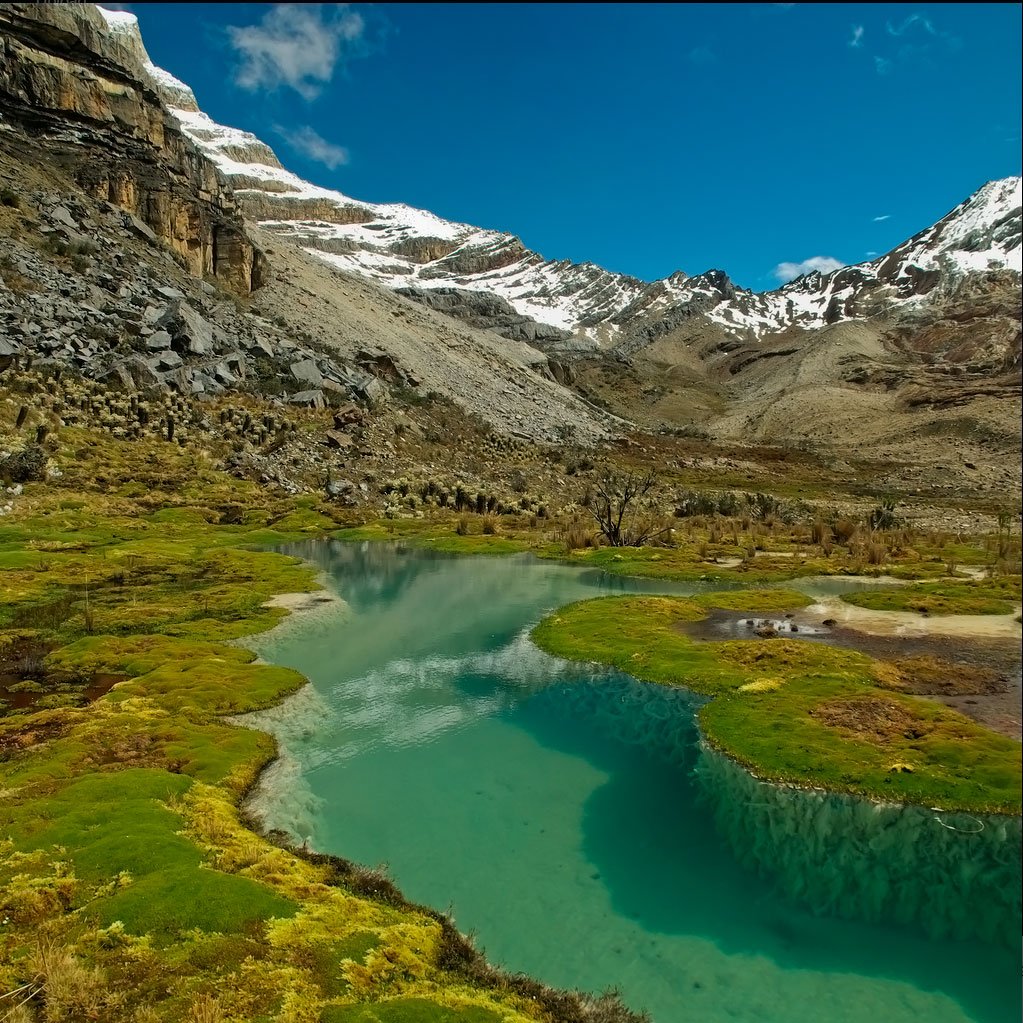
(620, 508)
(845, 530)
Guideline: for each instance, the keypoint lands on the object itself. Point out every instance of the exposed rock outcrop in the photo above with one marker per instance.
(67, 82)
(486, 311)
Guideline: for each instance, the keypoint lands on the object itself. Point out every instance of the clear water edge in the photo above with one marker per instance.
(513, 789)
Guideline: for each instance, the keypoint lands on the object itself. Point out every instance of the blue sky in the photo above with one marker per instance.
(647, 138)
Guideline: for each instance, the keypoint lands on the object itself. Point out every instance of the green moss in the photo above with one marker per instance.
(999, 596)
(406, 1010)
(797, 711)
(754, 601)
(437, 536)
(685, 564)
(117, 833)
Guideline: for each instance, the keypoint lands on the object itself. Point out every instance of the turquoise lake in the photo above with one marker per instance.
(557, 811)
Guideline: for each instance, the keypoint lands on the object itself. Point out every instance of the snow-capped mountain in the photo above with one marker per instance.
(492, 279)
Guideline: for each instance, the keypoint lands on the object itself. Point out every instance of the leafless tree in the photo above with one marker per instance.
(617, 508)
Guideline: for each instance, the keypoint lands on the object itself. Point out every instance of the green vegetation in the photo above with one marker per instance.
(407, 1010)
(130, 889)
(998, 596)
(442, 536)
(795, 711)
(740, 550)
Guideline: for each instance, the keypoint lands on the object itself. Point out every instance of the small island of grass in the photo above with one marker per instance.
(793, 711)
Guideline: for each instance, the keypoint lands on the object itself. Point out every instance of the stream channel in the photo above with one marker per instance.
(570, 818)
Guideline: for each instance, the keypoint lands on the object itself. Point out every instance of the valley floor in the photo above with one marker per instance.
(132, 889)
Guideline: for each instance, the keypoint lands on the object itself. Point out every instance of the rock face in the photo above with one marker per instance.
(488, 312)
(76, 81)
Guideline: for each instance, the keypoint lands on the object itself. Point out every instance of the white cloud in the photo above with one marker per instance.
(913, 19)
(785, 272)
(857, 37)
(872, 254)
(310, 143)
(297, 45)
(884, 216)
(883, 66)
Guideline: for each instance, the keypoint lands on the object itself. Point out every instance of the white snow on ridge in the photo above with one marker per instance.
(981, 233)
(120, 21)
(392, 244)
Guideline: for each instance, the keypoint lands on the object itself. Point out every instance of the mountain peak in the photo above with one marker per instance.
(401, 247)
(124, 27)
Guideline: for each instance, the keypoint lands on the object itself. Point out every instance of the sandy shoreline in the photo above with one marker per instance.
(912, 623)
(299, 602)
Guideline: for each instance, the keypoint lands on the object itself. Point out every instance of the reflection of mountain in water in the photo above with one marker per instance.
(368, 574)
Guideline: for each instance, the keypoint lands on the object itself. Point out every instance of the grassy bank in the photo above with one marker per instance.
(795, 711)
(708, 549)
(998, 596)
(130, 889)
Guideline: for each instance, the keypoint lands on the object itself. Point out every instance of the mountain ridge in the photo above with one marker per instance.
(405, 248)
(917, 341)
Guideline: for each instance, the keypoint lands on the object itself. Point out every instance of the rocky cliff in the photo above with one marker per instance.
(81, 91)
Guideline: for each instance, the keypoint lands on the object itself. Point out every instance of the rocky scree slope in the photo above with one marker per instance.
(123, 256)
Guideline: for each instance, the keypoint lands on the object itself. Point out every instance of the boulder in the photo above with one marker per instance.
(307, 372)
(223, 375)
(261, 347)
(336, 439)
(159, 341)
(62, 215)
(371, 390)
(189, 331)
(143, 231)
(166, 361)
(347, 415)
(308, 399)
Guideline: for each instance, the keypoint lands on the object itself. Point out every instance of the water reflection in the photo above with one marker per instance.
(556, 808)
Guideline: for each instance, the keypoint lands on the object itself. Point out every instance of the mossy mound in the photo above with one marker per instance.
(795, 711)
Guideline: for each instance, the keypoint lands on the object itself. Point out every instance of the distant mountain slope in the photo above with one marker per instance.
(576, 306)
(916, 344)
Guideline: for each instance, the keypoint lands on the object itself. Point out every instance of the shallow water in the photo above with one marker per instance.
(554, 808)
